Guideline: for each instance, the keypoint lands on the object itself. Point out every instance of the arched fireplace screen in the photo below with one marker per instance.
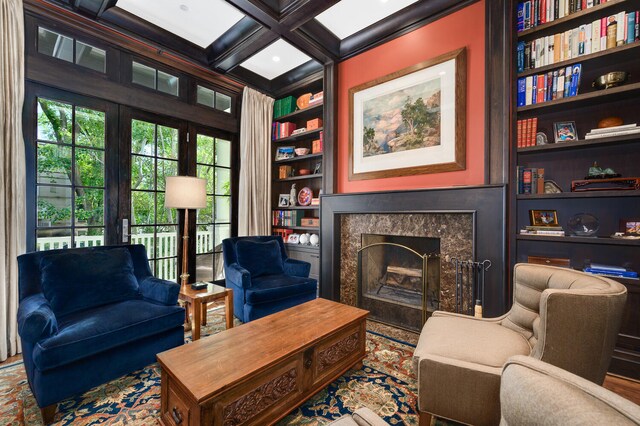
(398, 284)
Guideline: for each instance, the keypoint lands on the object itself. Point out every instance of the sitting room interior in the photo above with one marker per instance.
(305, 212)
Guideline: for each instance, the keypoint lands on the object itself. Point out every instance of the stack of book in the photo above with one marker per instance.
(286, 218)
(609, 132)
(554, 231)
(532, 13)
(558, 84)
(282, 130)
(529, 180)
(599, 35)
(527, 130)
(610, 271)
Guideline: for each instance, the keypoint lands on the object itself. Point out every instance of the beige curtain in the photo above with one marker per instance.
(254, 197)
(12, 170)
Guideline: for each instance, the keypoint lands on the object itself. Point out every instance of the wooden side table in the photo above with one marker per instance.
(196, 301)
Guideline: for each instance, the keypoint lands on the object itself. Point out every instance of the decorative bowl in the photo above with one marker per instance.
(583, 224)
(610, 122)
(304, 196)
(302, 151)
(304, 172)
(612, 79)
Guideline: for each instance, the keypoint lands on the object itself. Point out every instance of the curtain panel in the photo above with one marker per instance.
(12, 170)
(254, 195)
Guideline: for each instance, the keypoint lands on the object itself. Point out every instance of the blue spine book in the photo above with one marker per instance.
(575, 79)
(520, 23)
(534, 90)
(554, 86)
(520, 56)
(522, 89)
(527, 15)
(631, 26)
(624, 274)
(567, 81)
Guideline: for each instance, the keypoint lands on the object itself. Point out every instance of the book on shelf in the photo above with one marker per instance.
(286, 217)
(547, 233)
(529, 181)
(608, 132)
(557, 84)
(526, 132)
(591, 37)
(611, 271)
(281, 130)
(543, 228)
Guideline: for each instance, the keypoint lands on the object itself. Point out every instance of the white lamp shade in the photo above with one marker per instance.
(185, 192)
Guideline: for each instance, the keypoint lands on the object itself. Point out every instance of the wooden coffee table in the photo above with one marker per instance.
(197, 301)
(257, 373)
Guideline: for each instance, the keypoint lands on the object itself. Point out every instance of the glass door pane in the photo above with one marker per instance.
(154, 156)
(70, 175)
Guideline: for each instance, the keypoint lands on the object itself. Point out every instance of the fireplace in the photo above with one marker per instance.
(399, 279)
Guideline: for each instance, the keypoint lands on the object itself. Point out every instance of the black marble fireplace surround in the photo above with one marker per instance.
(486, 204)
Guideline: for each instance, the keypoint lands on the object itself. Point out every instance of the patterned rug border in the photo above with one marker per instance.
(402, 342)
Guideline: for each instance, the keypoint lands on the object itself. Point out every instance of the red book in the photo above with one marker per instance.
(534, 131)
(543, 11)
(519, 133)
(525, 132)
(540, 89)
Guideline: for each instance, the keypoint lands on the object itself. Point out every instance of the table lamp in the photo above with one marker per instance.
(185, 192)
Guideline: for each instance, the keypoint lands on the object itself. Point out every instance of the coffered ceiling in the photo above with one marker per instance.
(265, 43)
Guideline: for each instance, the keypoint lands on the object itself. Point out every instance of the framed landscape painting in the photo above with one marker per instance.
(411, 121)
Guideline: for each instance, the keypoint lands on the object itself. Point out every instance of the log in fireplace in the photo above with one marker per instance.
(399, 279)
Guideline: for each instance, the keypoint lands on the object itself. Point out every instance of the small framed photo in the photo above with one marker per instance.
(284, 152)
(565, 131)
(318, 168)
(630, 227)
(283, 200)
(293, 239)
(543, 217)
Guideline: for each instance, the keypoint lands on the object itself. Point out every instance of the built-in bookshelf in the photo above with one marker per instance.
(565, 162)
(311, 161)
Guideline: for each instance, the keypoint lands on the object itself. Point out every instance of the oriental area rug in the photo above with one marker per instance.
(386, 384)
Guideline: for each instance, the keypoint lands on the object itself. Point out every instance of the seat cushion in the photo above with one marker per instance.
(269, 288)
(96, 330)
(260, 258)
(466, 339)
(73, 281)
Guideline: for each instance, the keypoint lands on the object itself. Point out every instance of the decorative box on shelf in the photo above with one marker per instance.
(313, 124)
(616, 184)
(310, 221)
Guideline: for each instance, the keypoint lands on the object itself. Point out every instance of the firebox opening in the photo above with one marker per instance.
(399, 278)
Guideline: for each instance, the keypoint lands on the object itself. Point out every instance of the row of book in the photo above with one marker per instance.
(562, 83)
(610, 271)
(553, 231)
(609, 132)
(287, 217)
(602, 34)
(282, 130)
(526, 132)
(284, 106)
(537, 12)
(529, 180)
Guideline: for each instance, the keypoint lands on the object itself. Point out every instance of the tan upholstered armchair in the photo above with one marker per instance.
(564, 317)
(533, 392)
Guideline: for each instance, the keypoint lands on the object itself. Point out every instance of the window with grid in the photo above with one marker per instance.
(213, 222)
(70, 178)
(154, 155)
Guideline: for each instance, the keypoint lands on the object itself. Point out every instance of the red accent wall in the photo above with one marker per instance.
(463, 28)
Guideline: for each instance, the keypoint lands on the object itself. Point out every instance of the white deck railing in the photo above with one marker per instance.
(166, 246)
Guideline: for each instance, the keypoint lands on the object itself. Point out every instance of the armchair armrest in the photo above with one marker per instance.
(160, 291)
(36, 320)
(297, 268)
(238, 276)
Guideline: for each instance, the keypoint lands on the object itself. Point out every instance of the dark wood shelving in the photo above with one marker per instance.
(609, 55)
(299, 158)
(581, 143)
(299, 136)
(569, 18)
(289, 179)
(303, 246)
(580, 240)
(309, 111)
(298, 208)
(299, 228)
(589, 98)
(585, 194)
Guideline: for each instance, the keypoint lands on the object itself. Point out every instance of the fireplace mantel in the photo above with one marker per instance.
(488, 203)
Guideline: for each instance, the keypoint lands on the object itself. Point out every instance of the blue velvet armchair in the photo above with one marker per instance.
(89, 315)
(263, 278)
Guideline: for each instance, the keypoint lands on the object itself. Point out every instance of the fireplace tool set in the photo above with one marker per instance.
(469, 283)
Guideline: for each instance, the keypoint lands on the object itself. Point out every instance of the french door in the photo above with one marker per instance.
(96, 175)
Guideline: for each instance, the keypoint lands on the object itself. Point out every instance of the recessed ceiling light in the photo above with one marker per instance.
(184, 8)
(276, 59)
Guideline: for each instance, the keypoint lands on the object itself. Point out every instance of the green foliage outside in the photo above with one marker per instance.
(58, 165)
